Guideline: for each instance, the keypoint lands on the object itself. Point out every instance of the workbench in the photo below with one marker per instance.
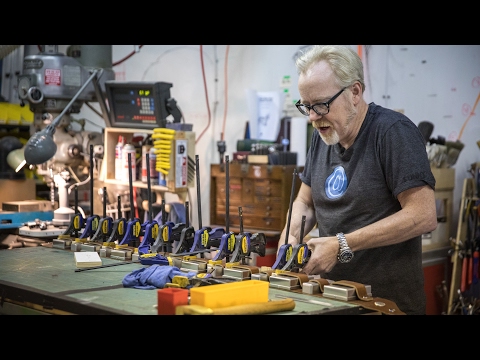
(43, 280)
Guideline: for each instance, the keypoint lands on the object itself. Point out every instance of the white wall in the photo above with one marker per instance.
(437, 83)
(249, 67)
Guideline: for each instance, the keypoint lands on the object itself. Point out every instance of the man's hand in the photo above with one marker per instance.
(323, 256)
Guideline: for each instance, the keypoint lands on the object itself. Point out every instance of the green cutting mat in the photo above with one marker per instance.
(50, 272)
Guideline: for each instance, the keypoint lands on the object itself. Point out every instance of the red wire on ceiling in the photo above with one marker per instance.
(127, 57)
(206, 95)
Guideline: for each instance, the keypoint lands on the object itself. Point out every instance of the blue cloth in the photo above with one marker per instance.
(153, 277)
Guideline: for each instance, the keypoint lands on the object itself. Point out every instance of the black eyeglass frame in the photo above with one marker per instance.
(312, 107)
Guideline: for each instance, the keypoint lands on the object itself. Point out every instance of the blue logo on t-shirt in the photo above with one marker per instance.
(336, 184)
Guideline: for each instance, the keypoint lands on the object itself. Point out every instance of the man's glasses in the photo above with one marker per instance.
(320, 108)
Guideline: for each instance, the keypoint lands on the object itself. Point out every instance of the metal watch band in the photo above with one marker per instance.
(345, 254)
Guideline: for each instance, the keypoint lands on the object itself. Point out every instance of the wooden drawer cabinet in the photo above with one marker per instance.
(263, 192)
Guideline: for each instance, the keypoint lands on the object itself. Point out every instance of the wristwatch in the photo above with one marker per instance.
(345, 254)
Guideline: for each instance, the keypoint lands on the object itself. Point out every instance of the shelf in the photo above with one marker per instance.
(186, 138)
(138, 184)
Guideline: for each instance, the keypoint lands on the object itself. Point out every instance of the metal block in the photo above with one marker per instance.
(344, 293)
(105, 251)
(284, 282)
(61, 243)
(255, 276)
(310, 288)
(237, 273)
(76, 246)
(260, 276)
(121, 254)
(90, 246)
(192, 265)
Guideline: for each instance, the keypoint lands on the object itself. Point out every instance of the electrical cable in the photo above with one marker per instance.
(128, 56)
(206, 96)
(468, 118)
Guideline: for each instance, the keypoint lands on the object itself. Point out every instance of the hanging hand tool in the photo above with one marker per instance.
(285, 251)
(300, 253)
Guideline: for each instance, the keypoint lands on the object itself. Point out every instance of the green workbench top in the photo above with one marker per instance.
(46, 277)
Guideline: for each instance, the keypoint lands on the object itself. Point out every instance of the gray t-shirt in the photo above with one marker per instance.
(356, 187)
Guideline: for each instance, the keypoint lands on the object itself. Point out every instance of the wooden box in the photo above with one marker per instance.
(263, 192)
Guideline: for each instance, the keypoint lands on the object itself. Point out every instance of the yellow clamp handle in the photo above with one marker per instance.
(163, 164)
(164, 131)
(165, 151)
(161, 147)
(162, 136)
(162, 142)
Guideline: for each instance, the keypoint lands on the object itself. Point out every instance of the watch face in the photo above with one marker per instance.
(345, 256)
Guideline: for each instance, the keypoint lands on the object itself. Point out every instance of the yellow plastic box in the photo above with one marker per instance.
(230, 294)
